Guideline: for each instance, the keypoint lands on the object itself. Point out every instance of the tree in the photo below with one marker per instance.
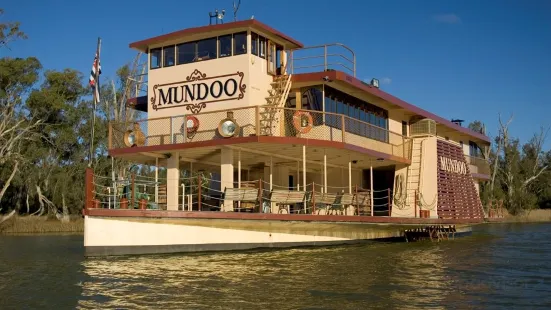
(17, 76)
(10, 32)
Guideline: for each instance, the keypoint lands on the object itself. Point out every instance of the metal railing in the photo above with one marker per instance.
(478, 165)
(261, 120)
(327, 56)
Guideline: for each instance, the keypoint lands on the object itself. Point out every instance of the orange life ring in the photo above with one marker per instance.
(191, 124)
(303, 121)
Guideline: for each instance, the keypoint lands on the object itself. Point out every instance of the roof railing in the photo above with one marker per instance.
(327, 56)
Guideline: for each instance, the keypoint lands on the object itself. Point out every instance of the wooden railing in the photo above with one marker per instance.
(478, 165)
(284, 123)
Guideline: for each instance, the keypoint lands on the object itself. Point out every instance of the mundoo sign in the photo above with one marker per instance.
(197, 90)
(452, 165)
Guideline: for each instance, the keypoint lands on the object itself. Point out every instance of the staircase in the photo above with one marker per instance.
(281, 85)
(414, 173)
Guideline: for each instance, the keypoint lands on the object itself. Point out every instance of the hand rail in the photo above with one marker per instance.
(325, 126)
(349, 63)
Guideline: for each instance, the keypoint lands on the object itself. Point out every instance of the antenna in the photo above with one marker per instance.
(235, 9)
(217, 16)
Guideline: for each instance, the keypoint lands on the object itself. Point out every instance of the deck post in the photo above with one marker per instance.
(89, 188)
(349, 176)
(304, 171)
(371, 186)
(271, 173)
(226, 174)
(199, 187)
(313, 198)
(173, 181)
(239, 176)
(324, 171)
(298, 175)
(133, 191)
(156, 180)
(389, 206)
(260, 195)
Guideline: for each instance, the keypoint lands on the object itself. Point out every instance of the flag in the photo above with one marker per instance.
(93, 83)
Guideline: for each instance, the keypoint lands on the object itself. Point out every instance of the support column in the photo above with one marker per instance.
(271, 173)
(304, 167)
(371, 185)
(239, 175)
(173, 180)
(226, 175)
(349, 176)
(324, 171)
(304, 172)
(298, 176)
(156, 180)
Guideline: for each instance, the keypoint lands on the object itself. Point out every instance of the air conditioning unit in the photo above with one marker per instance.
(423, 127)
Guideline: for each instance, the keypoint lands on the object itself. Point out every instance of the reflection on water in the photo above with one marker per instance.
(506, 266)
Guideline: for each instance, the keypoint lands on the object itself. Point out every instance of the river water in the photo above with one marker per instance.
(499, 266)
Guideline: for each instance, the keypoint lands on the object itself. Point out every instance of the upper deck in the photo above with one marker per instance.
(263, 77)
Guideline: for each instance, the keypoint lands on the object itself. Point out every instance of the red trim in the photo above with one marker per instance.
(143, 45)
(270, 216)
(341, 76)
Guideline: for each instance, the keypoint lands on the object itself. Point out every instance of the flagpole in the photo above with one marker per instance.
(96, 91)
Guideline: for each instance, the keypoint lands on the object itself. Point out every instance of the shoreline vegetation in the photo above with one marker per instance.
(40, 225)
(44, 225)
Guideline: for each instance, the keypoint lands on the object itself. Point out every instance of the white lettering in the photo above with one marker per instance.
(452, 165)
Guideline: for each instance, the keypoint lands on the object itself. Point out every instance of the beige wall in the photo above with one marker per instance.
(429, 182)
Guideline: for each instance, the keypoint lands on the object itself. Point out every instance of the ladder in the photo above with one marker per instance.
(414, 171)
(281, 85)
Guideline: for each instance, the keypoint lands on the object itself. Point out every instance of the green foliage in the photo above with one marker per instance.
(523, 176)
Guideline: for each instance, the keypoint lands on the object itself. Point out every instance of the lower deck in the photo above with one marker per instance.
(124, 232)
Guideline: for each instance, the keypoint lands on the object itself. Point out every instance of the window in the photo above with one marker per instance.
(363, 118)
(262, 47)
(240, 43)
(206, 49)
(474, 150)
(404, 128)
(155, 61)
(168, 56)
(254, 43)
(224, 43)
(186, 53)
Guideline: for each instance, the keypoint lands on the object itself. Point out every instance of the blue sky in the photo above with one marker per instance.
(462, 59)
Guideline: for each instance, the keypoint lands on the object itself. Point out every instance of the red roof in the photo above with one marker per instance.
(252, 23)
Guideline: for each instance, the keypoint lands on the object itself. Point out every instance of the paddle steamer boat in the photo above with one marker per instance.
(255, 140)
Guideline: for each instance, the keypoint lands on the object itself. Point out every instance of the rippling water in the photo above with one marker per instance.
(499, 266)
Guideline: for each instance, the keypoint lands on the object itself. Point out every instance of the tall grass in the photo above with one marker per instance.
(38, 225)
(540, 215)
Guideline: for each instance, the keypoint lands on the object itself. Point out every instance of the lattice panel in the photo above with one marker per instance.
(457, 195)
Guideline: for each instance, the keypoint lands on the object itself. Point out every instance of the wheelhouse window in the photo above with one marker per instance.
(206, 49)
(404, 128)
(240, 43)
(186, 53)
(262, 47)
(254, 43)
(224, 43)
(155, 58)
(168, 56)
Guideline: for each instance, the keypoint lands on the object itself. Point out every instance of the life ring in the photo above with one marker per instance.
(303, 121)
(191, 124)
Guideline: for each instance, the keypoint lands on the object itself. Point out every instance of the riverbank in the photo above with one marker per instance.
(40, 225)
(532, 217)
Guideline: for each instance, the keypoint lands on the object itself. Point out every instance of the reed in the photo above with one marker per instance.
(540, 215)
(38, 225)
